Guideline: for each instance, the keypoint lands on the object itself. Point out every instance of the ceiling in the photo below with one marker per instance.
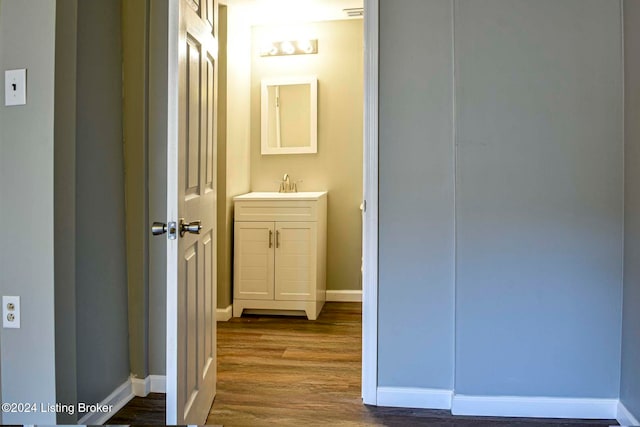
(261, 12)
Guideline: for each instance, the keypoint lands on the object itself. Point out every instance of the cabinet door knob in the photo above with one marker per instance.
(277, 238)
(270, 238)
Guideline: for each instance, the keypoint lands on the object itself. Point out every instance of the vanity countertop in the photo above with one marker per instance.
(274, 195)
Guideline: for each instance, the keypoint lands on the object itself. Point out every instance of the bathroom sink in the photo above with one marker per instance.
(274, 195)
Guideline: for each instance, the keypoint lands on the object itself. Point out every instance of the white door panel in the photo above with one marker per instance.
(191, 343)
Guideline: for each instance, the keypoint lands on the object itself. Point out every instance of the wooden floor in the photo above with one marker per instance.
(287, 371)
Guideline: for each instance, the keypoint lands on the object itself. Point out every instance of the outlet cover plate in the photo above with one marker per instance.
(10, 306)
(15, 87)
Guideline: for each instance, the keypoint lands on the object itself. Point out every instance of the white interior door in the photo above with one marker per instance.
(191, 194)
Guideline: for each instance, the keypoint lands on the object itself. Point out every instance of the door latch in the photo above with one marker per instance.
(159, 228)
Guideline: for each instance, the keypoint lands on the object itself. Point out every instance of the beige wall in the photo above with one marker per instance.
(337, 167)
(223, 252)
(237, 133)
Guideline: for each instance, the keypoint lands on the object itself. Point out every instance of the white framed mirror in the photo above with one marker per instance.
(289, 115)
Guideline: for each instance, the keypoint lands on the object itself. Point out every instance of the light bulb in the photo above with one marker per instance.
(287, 47)
(268, 48)
(305, 46)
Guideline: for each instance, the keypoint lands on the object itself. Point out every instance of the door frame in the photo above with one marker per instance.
(173, 117)
(370, 214)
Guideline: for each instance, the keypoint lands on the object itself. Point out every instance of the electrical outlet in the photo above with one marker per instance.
(10, 312)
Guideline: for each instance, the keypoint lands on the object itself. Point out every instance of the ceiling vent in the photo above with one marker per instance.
(353, 12)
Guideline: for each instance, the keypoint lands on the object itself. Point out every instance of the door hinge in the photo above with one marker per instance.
(363, 206)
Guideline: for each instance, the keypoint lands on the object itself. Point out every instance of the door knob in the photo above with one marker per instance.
(159, 228)
(193, 227)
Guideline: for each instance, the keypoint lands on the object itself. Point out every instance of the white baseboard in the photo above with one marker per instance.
(626, 418)
(344, 296)
(140, 387)
(224, 314)
(151, 384)
(409, 397)
(115, 401)
(537, 407)
(506, 406)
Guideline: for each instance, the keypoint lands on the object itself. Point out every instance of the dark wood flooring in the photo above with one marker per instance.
(288, 371)
(150, 410)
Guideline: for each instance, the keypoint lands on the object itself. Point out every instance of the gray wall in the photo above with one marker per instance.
(134, 109)
(27, 37)
(145, 146)
(630, 378)
(416, 195)
(145, 134)
(537, 195)
(65, 205)
(101, 277)
(158, 79)
(1, 282)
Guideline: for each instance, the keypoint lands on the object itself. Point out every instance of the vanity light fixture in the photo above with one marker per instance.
(290, 47)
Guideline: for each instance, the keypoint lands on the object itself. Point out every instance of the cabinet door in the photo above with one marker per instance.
(253, 260)
(296, 261)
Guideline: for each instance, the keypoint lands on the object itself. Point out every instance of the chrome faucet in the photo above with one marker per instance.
(286, 186)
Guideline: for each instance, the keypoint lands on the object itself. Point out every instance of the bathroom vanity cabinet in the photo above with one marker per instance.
(280, 242)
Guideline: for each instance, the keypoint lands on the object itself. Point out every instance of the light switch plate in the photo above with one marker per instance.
(10, 312)
(15, 87)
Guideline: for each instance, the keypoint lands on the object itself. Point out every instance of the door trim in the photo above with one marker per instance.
(370, 216)
(173, 39)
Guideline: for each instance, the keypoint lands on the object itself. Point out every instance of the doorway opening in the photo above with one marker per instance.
(338, 30)
(231, 174)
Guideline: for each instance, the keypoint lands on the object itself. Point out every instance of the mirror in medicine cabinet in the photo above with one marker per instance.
(289, 116)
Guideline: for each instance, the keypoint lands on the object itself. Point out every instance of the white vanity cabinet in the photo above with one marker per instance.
(280, 242)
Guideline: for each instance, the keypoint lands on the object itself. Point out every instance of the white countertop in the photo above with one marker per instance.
(274, 195)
